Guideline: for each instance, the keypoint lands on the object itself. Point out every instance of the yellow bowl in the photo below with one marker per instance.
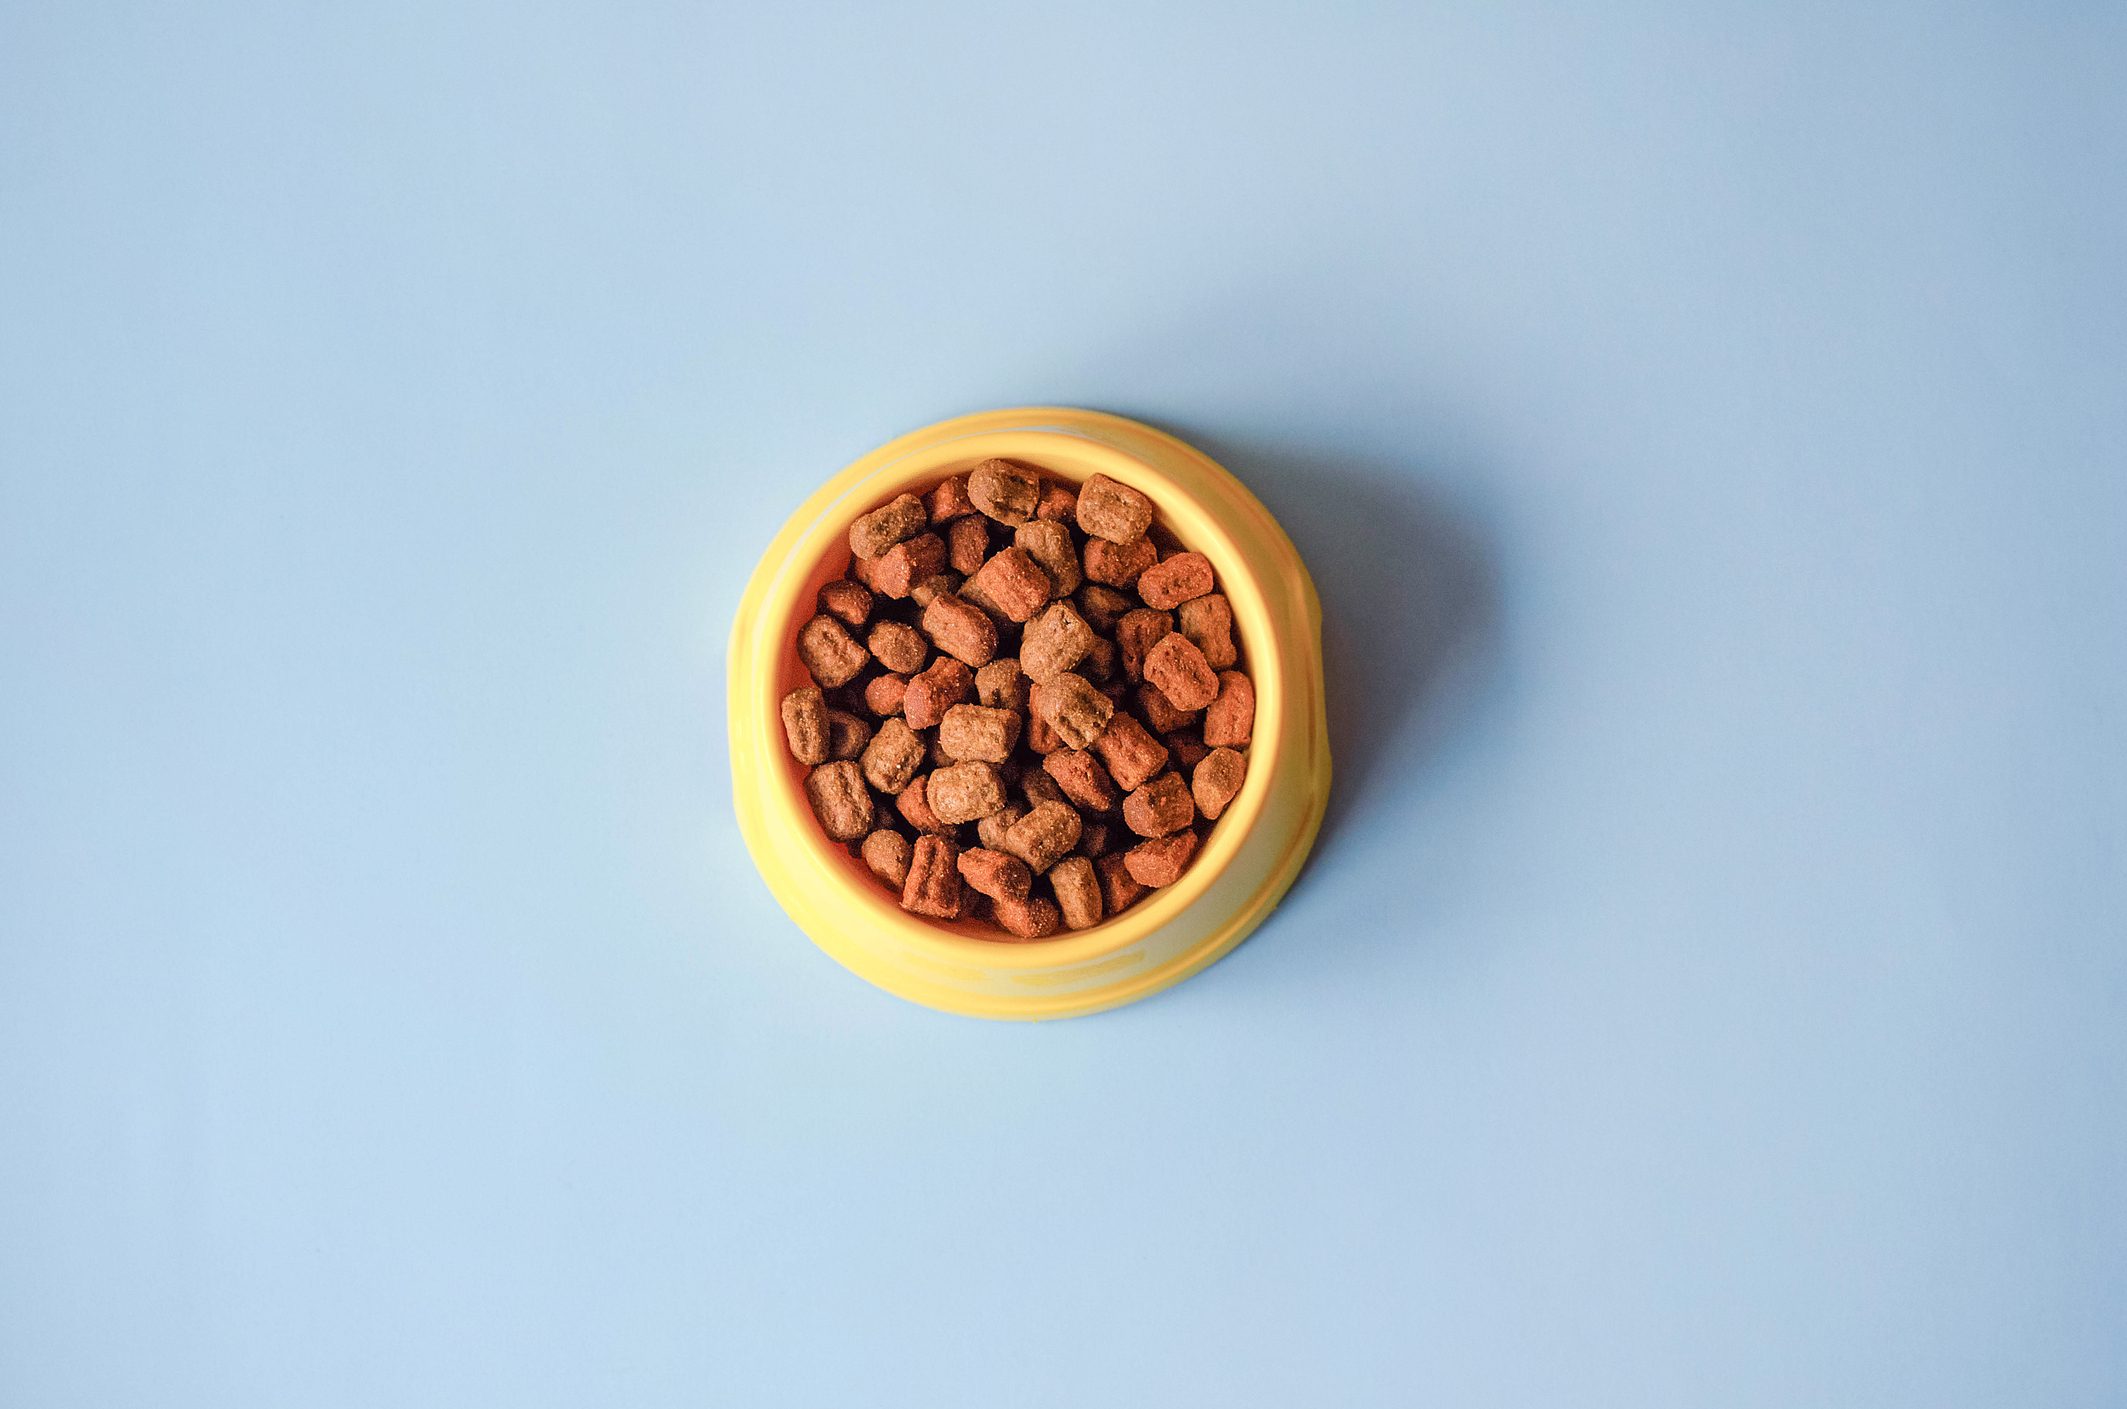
(1252, 853)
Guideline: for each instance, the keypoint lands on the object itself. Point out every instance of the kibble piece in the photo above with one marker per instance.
(1187, 748)
(1044, 836)
(1049, 543)
(950, 500)
(899, 518)
(933, 884)
(1004, 491)
(967, 543)
(1059, 503)
(1179, 670)
(1002, 685)
(1042, 739)
(962, 792)
(1054, 642)
(882, 694)
(991, 829)
(829, 652)
(1231, 718)
(839, 799)
(1118, 564)
(961, 629)
(1160, 861)
(893, 756)
(846, 734)
(1159, 711)
(847, 602)
(1012, 583)
(901, 567)
(1037, 787)
(1208, 621)
(1132, 755)
(930, 694)
(1073, 708)
(805, 724)
(1077, 892)
(1096, 838)
(1102, 661)
(1113, 511)
(1217, 779)
(1173, 581)
(1034, 918)
(1159, 807)
(898, 646)
(1119, 890)
(1083, 780)
(977, 733)
(887, 854)
(913, 803)
(1103, 606)
(1136, 634)
(930, 589)
(996, 874)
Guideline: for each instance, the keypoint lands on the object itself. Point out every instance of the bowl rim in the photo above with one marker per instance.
(763, 656)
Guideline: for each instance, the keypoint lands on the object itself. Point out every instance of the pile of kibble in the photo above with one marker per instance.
(1026, 704)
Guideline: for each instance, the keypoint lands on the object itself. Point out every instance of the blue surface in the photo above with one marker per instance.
(1707, 431)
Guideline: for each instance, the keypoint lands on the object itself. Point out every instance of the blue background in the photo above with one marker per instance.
(1706, 429)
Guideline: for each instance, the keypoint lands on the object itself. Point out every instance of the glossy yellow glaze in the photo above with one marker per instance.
(1253, 852)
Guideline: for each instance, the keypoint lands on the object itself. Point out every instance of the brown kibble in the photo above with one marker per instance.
(847, 602)
(967, 543)
(1173, 581)
(899, 518)
(1113, 511)
(1054, 642)
(829, 652)
(1082, 779)
(991, 829)
(882, 694)
(930, 589)
(805, 724)
(1049, 543)
(1231, 718)
(996, 874)
(1187, 749)
(1208, 622)
(1059, 503)
(846, 734)
(1103, 606)
(1159, 711)
(1132, 755)
(1038, 787)
(961, 629)
(898, 646)
(929, 695)
(887, 854)
(950, 500)
(977, 733)
(1002, 685)
(1044, 836)
(1096, 838)
(1012, 583)
(1004, 491)
(1119, 890)
(1177, 667)
(1160, 861)
(913, 803)
(1118, 564)
(1034, 918)
(1217, 779)
(962, 792)
(839, 799)
(1073, 708)
(933, 884)
(1077, 892)
(1136, 634)
(1159, 807)
(1042, 739)
(893, 756)
(902, 566)
(1102, 661)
